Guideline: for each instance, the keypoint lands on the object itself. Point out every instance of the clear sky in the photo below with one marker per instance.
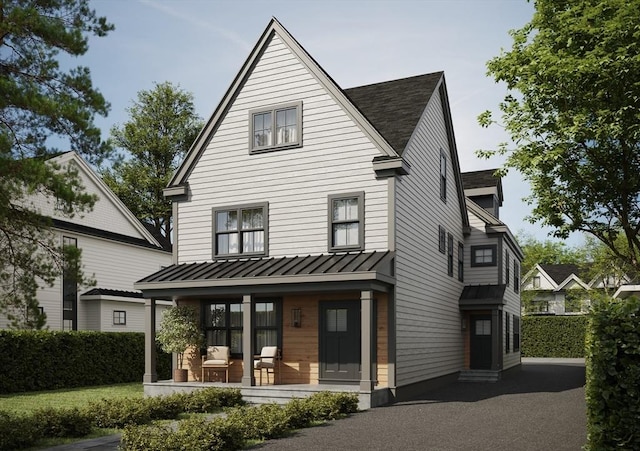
(200, 45)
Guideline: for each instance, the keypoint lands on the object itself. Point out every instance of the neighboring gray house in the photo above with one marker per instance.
(333, 224)
(116, 249)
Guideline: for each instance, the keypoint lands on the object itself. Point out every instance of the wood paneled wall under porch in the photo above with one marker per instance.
(299, 363)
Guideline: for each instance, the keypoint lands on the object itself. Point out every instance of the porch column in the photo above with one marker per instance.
(248, 379)
(367, 329)
(150, 372)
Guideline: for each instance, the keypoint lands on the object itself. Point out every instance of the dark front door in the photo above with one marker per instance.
(340, 341)
(481, 342)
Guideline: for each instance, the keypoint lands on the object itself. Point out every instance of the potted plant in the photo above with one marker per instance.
(179, 330)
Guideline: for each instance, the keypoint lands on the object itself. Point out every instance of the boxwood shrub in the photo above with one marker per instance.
(553, 336)
(19, 431)
(240, 424)
(44, 360)
(613, 372)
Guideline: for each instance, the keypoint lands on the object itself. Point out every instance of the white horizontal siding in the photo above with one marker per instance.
(113, 265)
(104, 216)
(429, 341)
(336, 157)
(479, 275)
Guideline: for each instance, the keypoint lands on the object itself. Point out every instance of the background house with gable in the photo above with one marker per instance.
(117, 250)
(560, 289)
(333, 224)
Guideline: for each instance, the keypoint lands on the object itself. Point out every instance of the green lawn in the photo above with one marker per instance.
(76, 397)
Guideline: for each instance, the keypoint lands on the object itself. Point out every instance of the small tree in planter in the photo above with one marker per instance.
(179, 330)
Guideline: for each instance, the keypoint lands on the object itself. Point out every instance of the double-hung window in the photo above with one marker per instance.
(241, 230)
(516, 276)
(276, 127)
(346, 222)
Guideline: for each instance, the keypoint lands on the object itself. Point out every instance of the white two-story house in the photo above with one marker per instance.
(116, 249)
(333, 224)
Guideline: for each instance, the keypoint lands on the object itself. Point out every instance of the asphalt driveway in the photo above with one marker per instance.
(540, 408)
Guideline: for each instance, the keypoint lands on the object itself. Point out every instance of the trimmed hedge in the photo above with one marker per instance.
(19, 431)
(553, 336)
(613, 374)
(44, 360)
(241, 424)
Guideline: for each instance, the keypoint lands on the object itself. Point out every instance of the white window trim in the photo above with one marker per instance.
(272, 109)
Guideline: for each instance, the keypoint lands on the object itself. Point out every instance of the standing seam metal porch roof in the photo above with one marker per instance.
(260, 271)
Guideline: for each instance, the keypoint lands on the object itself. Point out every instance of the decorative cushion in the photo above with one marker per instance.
(214, 362)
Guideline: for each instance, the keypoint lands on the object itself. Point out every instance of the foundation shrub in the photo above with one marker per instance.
(240, 424)
(211, 400)
(331, 406)
(119, 413)
(613, 372)
(54, 422)
(262, 422)
(18, 431)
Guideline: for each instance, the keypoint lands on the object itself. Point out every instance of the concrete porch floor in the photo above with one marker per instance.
(279, 394)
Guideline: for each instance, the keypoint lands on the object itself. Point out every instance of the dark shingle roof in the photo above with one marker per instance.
(480, 179)
(395, 107)
(561, 271)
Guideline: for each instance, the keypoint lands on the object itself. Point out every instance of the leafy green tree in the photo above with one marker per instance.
(573, 114)
(162, 126)
(40, 105)
(548, 252)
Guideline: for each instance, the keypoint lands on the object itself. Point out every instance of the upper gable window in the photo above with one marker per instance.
(276, 128)
(240, 230)
(346, 222)
(443, 175)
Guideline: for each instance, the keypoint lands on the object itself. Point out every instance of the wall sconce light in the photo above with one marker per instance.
(296, 317)
(463, 323)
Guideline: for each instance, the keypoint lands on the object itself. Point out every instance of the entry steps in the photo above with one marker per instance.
(479, 376)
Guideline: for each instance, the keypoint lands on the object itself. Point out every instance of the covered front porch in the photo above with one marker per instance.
(328, 315)
(279, 394)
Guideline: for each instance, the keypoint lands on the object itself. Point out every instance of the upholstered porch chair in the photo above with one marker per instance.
(217, 359)
(267, 361)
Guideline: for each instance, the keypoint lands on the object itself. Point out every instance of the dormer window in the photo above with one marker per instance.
(275, 128)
